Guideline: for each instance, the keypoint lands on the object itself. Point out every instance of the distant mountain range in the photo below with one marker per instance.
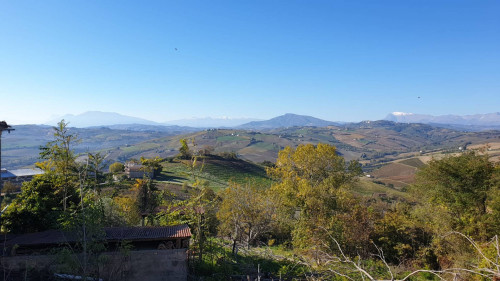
(99, 118)
(211, 122)
(287, 120)
(119, 121)
(476, 121)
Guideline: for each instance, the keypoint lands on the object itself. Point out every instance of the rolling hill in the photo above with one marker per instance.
(21, 147)
(371, 142)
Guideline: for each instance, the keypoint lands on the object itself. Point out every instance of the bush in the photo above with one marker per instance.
(9, 187)
(116, 167)
(268, 164)
(229, 155)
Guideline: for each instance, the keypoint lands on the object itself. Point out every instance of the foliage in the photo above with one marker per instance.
(47, 197)
(403, 237)
(83, 257)
(127, 209)
(310, 209)
(229, 155)
(60, 162)
(88, 257)
(114, 215)
(116, 167)
(9, 187)
(309, 174)
(219, 263)
(246, 213)
(95, 170)
(36, 208)
(310, 189)
(184, 151)
(199, 212)
(146, 196)
(152, 165)
(206, 150)
(461, 185)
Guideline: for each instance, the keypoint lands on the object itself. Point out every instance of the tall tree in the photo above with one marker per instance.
(146, 196)
(184, 151)
(152, 165)
(59, 161)
(246, 213)
(309, 189)
(461, 186)
(96, 165)
(45, 199)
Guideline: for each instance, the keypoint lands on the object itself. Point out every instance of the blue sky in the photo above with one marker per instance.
(166, 60)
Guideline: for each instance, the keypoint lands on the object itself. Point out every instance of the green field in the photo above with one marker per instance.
(367, 188)
(414, 162)
(215, 171)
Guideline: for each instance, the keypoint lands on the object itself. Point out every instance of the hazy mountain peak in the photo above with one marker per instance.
(99, 118)
(488, 120)
(396, 113)
(211, 122)
(288, 120)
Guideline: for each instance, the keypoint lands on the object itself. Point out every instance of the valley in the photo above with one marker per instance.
(373, 143)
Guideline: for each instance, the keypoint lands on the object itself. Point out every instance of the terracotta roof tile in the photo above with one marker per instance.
(55, 237)
(147, 233)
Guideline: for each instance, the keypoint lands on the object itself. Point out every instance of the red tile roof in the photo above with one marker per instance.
(148, 233)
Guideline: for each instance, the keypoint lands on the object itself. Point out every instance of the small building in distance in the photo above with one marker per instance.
(137, 171)
(19, 176)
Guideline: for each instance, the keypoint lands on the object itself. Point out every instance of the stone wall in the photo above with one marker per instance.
(144, 265)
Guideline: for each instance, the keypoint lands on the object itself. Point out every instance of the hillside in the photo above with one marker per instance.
(218, 172)
(401, 172)
(21, 147)
(371, 142)
(215, 171)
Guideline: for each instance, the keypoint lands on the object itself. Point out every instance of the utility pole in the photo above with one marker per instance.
(8, 128)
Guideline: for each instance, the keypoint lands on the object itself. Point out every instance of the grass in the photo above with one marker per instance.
(239, 171)
(216, 171)
(139, 148)
(220, 264)
(414, 162)
(366, 187)
(230, 138)
(265, 146)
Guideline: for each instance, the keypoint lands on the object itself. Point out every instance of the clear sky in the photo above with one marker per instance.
(165, 60)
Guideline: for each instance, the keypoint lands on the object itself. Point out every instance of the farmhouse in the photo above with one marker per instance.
(137, 171)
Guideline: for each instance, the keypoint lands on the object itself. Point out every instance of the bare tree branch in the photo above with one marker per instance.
(475, 246)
